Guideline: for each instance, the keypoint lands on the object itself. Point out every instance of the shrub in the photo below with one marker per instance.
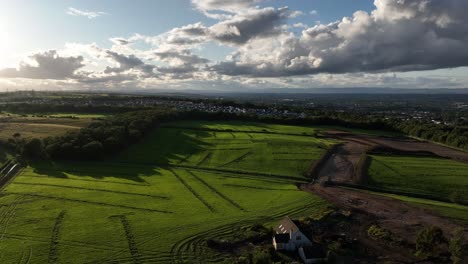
(377, 233)
(456, 246)
(427, 242)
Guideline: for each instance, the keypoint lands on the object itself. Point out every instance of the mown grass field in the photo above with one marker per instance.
(434, 177)
(160, 200)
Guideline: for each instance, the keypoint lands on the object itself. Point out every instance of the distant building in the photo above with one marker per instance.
(289, 237)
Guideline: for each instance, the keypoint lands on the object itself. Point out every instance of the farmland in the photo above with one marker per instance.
(38, 127)
(162, 198)
(434, 177)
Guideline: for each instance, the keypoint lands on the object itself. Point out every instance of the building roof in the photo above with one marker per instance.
(282, 238)
(286, 225)
(314, 251)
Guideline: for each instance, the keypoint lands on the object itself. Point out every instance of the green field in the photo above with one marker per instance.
(160, 200)
(434, 177)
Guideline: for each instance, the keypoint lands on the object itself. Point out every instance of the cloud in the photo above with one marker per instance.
(235, 30)
(120, 41)
(313, 12)
(224, 8)
(89, 14)
(271, 50)
(396, 36)
(180, 57)
(127, 63)
(48, 65)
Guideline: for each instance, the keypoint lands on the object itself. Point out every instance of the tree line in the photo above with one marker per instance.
(111, 135)
(99, 139)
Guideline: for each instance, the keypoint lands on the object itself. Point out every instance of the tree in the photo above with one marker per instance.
(33, 149)
(92, 150)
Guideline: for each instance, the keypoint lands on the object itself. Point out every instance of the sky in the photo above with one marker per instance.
(228, 45)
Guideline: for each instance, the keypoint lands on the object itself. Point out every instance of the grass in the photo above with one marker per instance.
(434, 177)
(159, 201)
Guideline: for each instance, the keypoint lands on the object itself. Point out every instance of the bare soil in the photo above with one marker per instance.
(340, 166)
(400, 218)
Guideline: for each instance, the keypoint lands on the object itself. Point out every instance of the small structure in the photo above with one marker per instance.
(289, 237)
(312, 254)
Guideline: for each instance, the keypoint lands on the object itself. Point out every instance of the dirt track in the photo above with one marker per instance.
(340, 166)
(399, 217)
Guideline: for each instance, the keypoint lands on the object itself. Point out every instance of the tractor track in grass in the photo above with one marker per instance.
(82, 172)
(254, 174)
(94, 203)
(26, 256)
(132, 246)
(54, 241)
(25, 174)
(194, 249)
(69, 243)
(227, 199)
(94, 189)
(205, 158)
(190, 189)
(256, 187)
(7, 215)
(238, 159)
(236, 131)
(232, 174)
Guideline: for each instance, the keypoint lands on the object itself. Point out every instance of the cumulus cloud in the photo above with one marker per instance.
(397, 36)
(235, 30)
(180, 57)
(46, 65)
(224, 8)
(126, 63)
(84, 13)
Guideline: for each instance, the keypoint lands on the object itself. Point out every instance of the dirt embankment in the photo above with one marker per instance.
(402, 219)
(341, 166)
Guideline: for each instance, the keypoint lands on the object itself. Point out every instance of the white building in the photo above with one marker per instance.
(289, 237)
